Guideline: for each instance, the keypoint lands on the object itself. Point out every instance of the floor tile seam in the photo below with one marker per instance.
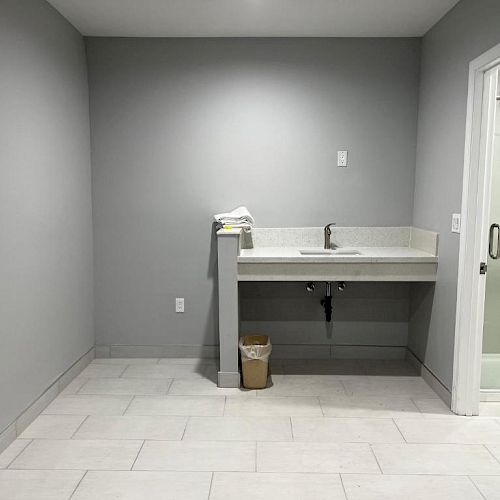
(476, 486)
(169, 386)
(399, 430)
(376, 459)
(116, 439)
(18, 454)
(491, 453)
(128, 406)
(294, 440)
(210, 487)
(290, 472)
(343, 486)
(137, 456)
(79, 427)
(346, 393)
(161, 415)
(188, 419)
(77, 485)
(77, 392)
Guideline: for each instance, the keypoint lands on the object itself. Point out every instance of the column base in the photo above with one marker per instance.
(228, 379)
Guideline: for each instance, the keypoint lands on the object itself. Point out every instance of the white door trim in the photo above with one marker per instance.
(473, 238)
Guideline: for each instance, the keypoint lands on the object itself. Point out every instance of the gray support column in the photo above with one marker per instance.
(228, 249)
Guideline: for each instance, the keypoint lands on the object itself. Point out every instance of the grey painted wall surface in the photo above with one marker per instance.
(183, 129)
(45, 203)
(364, 314)
(467, 31)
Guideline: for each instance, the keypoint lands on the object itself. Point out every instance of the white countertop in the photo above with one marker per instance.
(368, 255)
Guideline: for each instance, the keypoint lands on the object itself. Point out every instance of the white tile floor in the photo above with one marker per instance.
(161, 429)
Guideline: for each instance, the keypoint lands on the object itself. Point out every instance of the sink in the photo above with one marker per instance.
(326, 252)
(346, 251)
(316, 251)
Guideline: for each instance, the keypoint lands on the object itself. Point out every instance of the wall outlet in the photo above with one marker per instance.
(342, 158)
(456, 221)
(179, 305)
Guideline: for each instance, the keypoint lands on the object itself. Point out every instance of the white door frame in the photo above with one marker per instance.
(480, 130)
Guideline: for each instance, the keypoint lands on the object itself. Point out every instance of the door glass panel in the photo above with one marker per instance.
(490, 372)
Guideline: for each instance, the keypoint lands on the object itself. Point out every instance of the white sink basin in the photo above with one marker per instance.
(326, 252)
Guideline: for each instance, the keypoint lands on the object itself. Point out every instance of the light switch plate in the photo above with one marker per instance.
(456, 220)
(342, 158)
(179, 305)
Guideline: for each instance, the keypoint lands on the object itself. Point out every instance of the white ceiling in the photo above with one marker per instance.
(193, 18)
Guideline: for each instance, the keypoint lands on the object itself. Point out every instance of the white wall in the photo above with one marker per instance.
(467, 31)
(46, 291)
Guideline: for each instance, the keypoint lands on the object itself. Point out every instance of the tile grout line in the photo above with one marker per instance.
(77, 485)
(321, 407)
(210, 488)
(400, 431)
(170, 386)
(491, 453)
(128, 406)
(79, 426)
(232, 471)
(476, 486)
(19, 454)
(137, 456)
(343, 486)
(185, 428)
(344, 387)
(375, 457)
(412, 399)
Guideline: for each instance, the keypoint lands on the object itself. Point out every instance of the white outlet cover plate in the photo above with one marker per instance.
(179, 305)
(342, 158)
(456, 220)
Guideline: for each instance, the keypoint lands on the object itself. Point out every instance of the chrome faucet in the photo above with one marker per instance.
(328, 233)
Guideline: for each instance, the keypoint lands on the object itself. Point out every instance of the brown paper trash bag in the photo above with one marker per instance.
(255, 351)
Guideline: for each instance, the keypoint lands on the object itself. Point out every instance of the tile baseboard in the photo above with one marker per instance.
(157, 351)
(15, 428)
(328, 351)
(280, 351)
(439, 388)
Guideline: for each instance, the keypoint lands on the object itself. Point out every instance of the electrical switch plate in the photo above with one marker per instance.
(455, 223)
(179, 305)
(342, 158)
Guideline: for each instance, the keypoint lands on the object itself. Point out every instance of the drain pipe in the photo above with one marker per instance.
(326, 302)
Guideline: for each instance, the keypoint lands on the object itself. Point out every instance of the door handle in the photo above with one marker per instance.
(494, 254)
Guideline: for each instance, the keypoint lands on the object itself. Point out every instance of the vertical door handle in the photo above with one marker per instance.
(494, 254)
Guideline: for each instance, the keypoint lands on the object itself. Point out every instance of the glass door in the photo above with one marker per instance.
(490, 370)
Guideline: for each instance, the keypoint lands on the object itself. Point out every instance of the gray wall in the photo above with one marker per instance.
(184, 128)
(45, 204)
(373, 315)
(467, 31)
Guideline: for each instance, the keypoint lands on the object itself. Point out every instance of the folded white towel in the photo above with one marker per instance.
(239, 217)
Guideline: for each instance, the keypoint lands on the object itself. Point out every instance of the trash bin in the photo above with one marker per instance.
(255, 351)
